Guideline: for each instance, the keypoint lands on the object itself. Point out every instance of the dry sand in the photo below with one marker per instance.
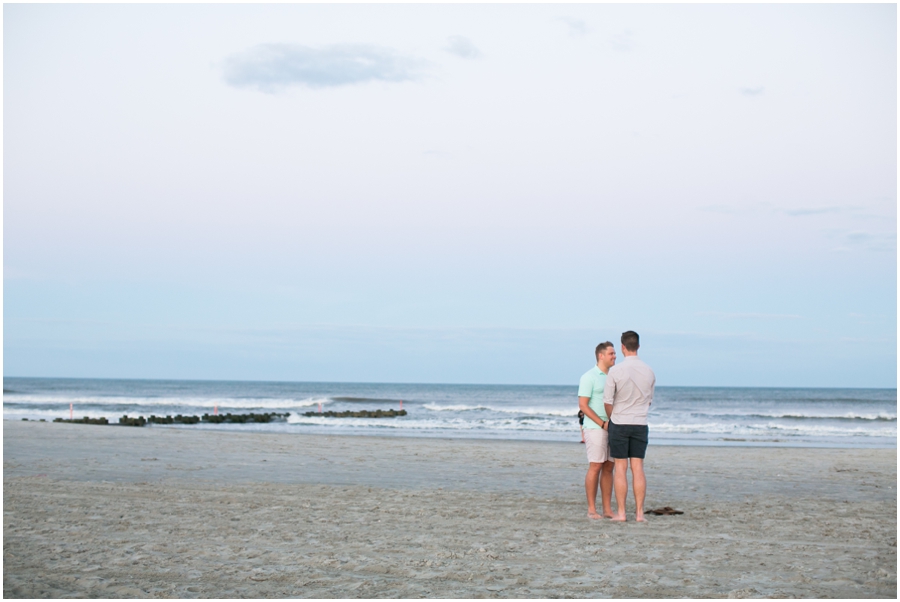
(103, 511)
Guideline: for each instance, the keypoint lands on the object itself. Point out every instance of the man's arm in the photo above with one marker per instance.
(588, 412)
(609, 393)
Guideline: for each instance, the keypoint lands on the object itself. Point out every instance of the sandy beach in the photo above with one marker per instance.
(102, 511)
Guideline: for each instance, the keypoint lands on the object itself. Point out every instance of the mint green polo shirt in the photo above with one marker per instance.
(591, 385)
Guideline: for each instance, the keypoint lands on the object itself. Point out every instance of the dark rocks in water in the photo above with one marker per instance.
(360, 414)
(242, 418)
(126, 421)
(85, 420)
(178, 419)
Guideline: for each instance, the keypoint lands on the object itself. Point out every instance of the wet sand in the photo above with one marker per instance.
(103, 511)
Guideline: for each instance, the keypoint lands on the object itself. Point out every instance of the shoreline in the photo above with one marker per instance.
(338, 431)
(796, 417)
(102, 512)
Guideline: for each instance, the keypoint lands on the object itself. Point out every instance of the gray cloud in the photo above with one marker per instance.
(737, 208)
(752, 91)
(851, 211)
(771, 208)
(577, 27)
(859, 239)
(274, 67)
(718, 209)
(817, 210)
(623, 42)
(462, 47)
(750, 316)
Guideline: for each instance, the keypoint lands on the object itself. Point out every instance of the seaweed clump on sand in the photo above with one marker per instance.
(360, 414)
(126, 421)
(85, 420)
(177, 419)
(242, 418)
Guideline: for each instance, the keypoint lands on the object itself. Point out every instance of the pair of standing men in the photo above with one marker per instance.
(615, 400)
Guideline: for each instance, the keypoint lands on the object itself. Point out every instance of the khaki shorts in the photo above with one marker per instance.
(597, 443)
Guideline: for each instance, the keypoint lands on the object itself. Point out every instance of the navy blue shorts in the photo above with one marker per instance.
(628, 440)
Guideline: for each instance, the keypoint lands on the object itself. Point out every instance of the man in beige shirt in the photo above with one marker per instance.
(627, 397)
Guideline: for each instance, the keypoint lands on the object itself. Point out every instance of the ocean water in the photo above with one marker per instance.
(679, 415)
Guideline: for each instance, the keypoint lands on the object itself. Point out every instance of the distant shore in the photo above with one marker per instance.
(141, 512)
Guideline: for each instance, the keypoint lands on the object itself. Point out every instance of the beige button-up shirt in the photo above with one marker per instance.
(629, 390)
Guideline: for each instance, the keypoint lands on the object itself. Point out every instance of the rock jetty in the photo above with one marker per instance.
(84, 420)
(241, 418)
(126, 421)
(178, 419)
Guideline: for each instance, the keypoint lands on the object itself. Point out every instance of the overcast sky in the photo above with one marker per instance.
(451, 193)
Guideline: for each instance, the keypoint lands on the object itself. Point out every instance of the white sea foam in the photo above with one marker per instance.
(180, 402)
(797, 415)
(19, 413)
(453, 408)
(518, 410)
(455, 424)
(715, 428)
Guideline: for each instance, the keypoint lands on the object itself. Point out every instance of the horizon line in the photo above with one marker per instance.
(350, 382)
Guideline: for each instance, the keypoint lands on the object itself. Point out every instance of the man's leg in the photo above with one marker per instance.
(639, 482)
(606, 487)
(620, 479)
(590, 487)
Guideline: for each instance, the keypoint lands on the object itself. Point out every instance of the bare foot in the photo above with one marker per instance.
(593, 515)
(640, 518)
(608, 515)
(618, 519)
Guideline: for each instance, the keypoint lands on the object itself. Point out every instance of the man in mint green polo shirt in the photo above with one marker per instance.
(596, 438)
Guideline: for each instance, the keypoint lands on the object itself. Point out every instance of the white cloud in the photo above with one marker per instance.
(577, 27)
(462, 47)
(274, 67)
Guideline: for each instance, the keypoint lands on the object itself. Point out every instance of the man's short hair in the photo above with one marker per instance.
(630, 340)
(600, 349)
